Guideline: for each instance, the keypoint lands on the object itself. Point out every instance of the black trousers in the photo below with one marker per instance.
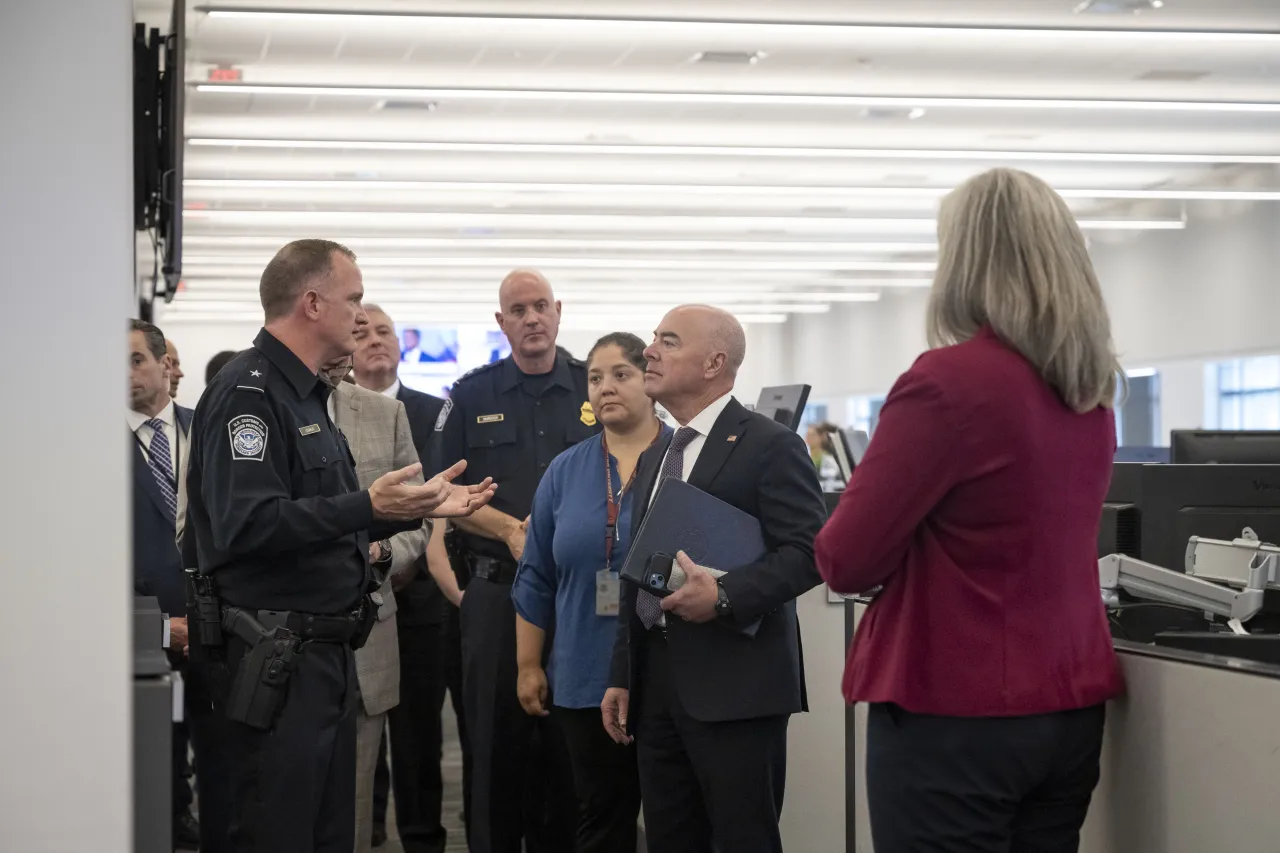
(706, 786)
(207, 729)
(181, 770)
(606, 780)
(521, 781)
(416, 739)
(294, 787)
(973, 785)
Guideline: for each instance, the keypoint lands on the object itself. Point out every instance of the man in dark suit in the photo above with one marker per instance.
(158, 430)
(708, 705)
(427, 620)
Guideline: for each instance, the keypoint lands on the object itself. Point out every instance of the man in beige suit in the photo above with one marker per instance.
(377, 429)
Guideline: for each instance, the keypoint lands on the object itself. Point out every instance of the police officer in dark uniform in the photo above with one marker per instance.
(508, 420)
(281, 539)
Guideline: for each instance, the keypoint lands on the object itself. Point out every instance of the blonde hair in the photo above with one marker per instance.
(1011, 256)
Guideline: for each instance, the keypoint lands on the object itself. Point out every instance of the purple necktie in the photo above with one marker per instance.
(160, 461)
(648, 605)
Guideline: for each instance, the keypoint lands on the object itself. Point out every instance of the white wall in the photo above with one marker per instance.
(66, 166)
(198, 342)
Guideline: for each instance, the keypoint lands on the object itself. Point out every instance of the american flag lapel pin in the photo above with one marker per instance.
(732, 438)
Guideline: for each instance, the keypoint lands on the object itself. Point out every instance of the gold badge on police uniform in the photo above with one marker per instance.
(588, 416)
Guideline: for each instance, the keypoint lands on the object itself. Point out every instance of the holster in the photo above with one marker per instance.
(368, 618)
(458, 559)
(260, 686)
(204, 616)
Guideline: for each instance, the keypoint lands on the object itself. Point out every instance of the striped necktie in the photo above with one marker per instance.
(648, 605)
(160, 461)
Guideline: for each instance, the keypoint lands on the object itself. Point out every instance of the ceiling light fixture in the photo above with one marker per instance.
(741, 98)
(363, 245)
(428, 313)
(612, 263)
(592, 25)
(993, 156)
(629, 222)
(929, 193)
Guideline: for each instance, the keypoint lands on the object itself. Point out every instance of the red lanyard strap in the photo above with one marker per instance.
(612, 505)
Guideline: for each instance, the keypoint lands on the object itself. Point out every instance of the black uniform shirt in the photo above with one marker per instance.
(509, 425)
(272, 496)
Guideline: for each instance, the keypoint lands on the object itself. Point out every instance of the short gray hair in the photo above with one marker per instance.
(291, 269)
(1011, 256)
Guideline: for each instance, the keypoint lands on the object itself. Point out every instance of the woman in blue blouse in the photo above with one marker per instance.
(567, 584)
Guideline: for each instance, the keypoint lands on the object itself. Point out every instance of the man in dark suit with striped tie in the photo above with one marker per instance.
(158, 432)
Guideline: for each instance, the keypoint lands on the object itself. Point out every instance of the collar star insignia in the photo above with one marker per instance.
(255, 373)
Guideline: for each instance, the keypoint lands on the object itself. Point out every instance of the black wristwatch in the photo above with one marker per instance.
(724, 609)
(384, 549)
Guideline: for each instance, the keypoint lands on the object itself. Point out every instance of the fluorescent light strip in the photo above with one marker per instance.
(612, 263)
(362, 244)
(586, 306)
(599, 221)
(614, 320)
(740, 98)
(665, 296)
(708, 27)
(486, 280)
(927, 193)
(738, 151)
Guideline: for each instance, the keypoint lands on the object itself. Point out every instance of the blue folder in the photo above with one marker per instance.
(713, 533)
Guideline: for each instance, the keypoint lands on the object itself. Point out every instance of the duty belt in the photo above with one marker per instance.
(494, 571)
(308, 626)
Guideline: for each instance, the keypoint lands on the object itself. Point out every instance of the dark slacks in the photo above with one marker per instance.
(207, 729)
(973, 785)
(606, 780)
(453, 680)
(181, 770)
(415, 738)
(294, 787)
(706, 786)
(522, 785)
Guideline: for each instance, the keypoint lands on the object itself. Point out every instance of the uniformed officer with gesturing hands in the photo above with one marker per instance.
(508, 420)
(281, 536)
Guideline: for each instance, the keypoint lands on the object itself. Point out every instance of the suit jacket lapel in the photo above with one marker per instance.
(346, 408)
(648, 466)
(724, 437)
(145, 479)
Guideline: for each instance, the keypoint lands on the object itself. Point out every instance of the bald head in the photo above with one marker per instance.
(530, 318)
(694, 359)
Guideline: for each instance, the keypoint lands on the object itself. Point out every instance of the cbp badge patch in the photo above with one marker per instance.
(248, 438)
(444, 415)
(588, 415)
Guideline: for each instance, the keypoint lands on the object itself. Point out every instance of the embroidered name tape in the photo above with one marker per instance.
(309, 429)
(248, 438)
(490, 419)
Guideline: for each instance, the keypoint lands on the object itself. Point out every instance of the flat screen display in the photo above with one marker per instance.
(432, 358)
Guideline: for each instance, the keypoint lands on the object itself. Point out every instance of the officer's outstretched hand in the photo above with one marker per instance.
(394, 498)
(460, 501)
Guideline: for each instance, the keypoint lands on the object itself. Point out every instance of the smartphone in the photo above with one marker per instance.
(657, 574)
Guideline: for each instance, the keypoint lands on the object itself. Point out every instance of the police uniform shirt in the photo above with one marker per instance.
(278, 515)
(509, 425)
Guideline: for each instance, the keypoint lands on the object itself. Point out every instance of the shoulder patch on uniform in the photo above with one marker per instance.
(477, 370)
(253, 377)
(248, 438)
(444, 415)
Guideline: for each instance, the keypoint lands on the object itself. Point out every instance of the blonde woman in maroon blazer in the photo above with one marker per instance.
(986, 657)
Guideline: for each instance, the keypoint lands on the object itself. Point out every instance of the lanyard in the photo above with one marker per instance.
(612, 505)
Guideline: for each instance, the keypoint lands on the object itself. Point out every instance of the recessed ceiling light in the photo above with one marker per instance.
(730, 57)
(869, 102)
(918, 112)
(1118, 7)
(799, 152)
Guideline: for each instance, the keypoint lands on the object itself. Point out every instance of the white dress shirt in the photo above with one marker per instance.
(702, 422)
(138, 426)
(394, 391)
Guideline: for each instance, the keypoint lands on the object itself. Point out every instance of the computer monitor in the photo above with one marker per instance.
(1212, 501)
(856, 441)
(784, 404)
(1225, 447)
(1119, 531)
(1126, 483)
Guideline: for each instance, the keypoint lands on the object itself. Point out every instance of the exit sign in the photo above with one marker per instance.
(223, 74)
